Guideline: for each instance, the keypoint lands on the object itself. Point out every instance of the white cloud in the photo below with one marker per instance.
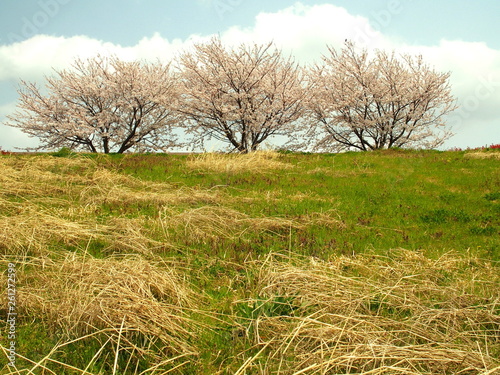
(34, 57)
(304, 31)
(475, 82)
(475, 67)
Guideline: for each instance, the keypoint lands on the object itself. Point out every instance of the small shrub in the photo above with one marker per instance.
(435, 217)
(492, 196)
(265, 307)
(64, 152)
(441, 216)
(483, 231)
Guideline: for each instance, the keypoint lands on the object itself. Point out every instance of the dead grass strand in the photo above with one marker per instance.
(254, 162)
(379, 315)
(129, 293)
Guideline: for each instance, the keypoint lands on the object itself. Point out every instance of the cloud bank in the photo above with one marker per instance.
(300, 30)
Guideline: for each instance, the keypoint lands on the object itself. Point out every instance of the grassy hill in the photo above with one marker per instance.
(269, 263)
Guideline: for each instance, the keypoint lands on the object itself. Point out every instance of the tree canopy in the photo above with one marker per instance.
(101, 105)
(240, 96)
(368, 102)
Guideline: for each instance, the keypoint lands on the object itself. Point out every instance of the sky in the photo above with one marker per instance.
(456, 36)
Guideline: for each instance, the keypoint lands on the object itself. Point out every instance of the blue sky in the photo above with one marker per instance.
(457, 36)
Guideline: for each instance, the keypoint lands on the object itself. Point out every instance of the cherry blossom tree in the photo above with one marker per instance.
(365, 102)
(101, 105)
(239, 96)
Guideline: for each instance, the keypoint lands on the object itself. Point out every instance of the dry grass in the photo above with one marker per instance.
(329, 219)
(114, 344)
(375, 315)
(80, 295)
(63, 202)
(215, 222)
(34, 231)
(212, 222)
(255, 162)
(81, 179)
(33, 195)
(51, 203)
(132, 307)
(42, 176)
(108, 187)
(482, 155)
(400, 314)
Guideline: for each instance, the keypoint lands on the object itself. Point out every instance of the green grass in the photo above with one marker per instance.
(429, 200)
(262, 246)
